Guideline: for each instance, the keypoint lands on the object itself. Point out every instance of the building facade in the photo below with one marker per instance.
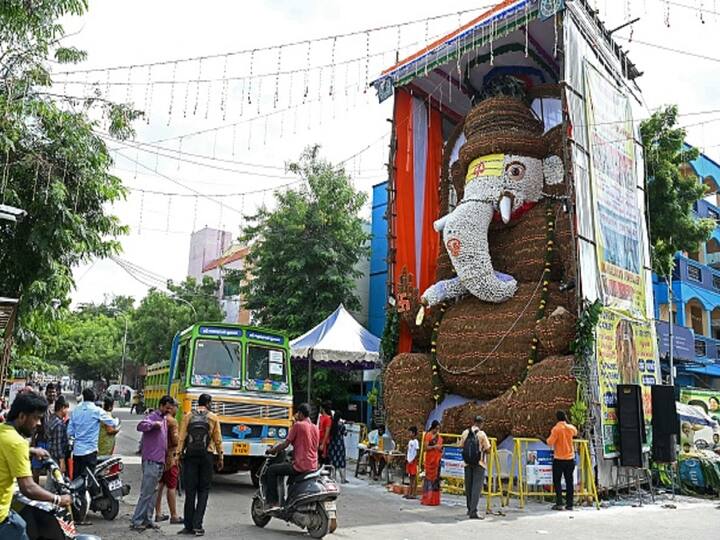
(695, 286)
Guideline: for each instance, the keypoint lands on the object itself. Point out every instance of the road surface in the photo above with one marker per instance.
(368, 511)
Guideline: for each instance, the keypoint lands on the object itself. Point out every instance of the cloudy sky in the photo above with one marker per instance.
(209, 152)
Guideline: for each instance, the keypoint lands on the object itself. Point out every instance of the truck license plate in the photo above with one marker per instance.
(241, 449)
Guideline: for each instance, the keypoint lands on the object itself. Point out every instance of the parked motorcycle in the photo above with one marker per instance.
(307, 500)
(44, 520)
(104, 488)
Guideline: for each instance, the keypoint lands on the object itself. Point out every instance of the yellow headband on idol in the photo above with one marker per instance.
(490, 165)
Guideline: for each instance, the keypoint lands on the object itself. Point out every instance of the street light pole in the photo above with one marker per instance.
(124, 348)
(670, 333)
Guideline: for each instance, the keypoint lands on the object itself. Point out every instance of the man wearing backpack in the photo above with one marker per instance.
(475, 445)
(200, 441)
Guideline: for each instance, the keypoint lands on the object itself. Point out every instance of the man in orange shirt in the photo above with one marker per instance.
(561, 441)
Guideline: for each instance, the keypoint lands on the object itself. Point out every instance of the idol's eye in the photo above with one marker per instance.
(515, 170)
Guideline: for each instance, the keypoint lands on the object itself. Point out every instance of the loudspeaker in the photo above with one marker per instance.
(630, 424)
(663, 448)
(664, 414)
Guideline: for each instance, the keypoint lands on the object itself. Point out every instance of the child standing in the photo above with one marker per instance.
(411, 459)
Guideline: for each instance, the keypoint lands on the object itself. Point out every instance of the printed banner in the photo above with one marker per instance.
(619, 232)
(452, 464)
(626, 354)
(696, 436)
(538, 468)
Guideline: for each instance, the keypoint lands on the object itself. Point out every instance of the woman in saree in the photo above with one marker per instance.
(433, 453)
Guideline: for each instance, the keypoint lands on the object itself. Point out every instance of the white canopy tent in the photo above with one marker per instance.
(339, 342)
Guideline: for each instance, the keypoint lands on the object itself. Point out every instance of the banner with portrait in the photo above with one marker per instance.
(626, 354)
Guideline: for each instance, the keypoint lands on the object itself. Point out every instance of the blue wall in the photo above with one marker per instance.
(378, 260)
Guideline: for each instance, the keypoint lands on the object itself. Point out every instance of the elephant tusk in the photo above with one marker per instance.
(505, 208)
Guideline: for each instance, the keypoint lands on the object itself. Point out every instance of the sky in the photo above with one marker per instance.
(268, 122)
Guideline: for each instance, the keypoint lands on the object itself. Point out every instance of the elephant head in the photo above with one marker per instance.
(495, 184)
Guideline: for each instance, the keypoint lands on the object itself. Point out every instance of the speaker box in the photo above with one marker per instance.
(630, 424)
(664, 414)
(663, 448)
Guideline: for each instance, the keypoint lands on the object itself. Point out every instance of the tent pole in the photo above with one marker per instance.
(309, 387)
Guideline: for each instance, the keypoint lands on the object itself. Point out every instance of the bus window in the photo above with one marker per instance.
(183, 355)
(265, 369)
(217, 363)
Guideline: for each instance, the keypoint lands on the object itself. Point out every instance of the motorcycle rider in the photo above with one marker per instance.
(23, 419)
(305, 437)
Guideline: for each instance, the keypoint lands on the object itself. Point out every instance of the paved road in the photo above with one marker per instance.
(369, 511)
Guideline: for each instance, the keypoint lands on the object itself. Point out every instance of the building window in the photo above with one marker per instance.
(700, 348)
(716, 283)
(713, 214)
(694, 273)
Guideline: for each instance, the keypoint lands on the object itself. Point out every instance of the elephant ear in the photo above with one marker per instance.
(553, 170)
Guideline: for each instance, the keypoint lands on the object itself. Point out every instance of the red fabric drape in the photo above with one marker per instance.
(405, 215)
(428, 262)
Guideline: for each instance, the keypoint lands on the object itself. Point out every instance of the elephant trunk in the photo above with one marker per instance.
(466, 238)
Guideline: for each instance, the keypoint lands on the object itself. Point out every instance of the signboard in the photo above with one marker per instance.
(276, 363)
(683, 340)
(261, 336)
(618, 220)
(452, 464)
(220, 331)
(696, 435)
(538, 468)
(625, 355)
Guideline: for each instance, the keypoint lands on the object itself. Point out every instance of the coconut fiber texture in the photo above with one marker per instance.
(549, 387)
(495, 414)
(408, 394)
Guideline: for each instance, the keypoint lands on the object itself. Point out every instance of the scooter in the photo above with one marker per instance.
(44, 520)
(104, 488)
(308, 500)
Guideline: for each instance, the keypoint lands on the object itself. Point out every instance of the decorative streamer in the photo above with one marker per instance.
(167, 219)
(259, 94)
(172, 93)
(223, 93)
(397, 46)
(142, 205)
(128, 95)
(197, 87)
(149, 89)
(242, 98)
(180, 143)
(306, 74)
(207, 101)
(185, 101)
(332, 72)
(276, 96)
(250, 77)
(107, 85)
(195, 206)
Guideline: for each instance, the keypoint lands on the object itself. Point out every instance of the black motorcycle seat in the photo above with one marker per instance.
(304, 476)
(101, 459)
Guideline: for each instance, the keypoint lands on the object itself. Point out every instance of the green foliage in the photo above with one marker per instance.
(159, 316)
(52, 164)
(391, 335)
(583, 346)
(671, 195)
(303, 256)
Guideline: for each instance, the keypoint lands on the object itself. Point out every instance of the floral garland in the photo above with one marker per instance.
(544, 295)
(583, 347)
(438, 386)
(391, 335)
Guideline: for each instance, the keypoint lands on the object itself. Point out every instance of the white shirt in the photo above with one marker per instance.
(412, 450)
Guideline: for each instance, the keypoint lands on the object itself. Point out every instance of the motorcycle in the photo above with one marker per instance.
(103, 488)
(44, 520)
(308, 500)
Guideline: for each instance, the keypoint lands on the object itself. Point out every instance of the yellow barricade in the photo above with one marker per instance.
(456, 486)
(520, 488)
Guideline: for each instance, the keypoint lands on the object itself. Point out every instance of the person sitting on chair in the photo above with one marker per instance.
(304, 437)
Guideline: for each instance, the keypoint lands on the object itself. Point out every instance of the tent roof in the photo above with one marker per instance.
(339, 339)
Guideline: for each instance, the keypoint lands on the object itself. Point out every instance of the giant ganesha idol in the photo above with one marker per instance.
(504, 309)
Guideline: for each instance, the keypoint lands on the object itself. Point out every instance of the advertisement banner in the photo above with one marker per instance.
(626, 354)
(538, 468)
(452, 464)
(695, 434)
(619, 236)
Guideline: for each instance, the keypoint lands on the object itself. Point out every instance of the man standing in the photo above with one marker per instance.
(22, 420)
(107, 434)
(475, 445)
(169, 478)
(154, 447)
(84, 427)
(200, 441)
(56, 429)
(40, 439)
(561, 441)
(304, 437)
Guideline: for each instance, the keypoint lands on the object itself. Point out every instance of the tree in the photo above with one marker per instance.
(671, 194)
(303, 255)
(53, 165)
(160, 316)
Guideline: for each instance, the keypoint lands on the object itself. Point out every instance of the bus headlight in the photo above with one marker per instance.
(272, 432)
(282, 433)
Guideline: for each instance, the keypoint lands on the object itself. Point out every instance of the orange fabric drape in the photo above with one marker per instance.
(405, 215)
(428, 262)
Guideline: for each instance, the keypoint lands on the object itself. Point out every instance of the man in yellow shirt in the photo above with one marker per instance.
(561, 441)
(23, 419)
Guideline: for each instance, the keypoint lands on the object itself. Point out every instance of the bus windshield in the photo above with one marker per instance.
(266, 370)
(217, 363)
